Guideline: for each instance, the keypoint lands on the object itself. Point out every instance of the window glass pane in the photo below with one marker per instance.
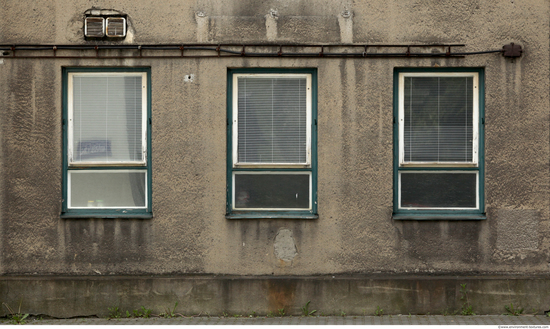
(107, 118)
(438, 113)
(290, 191)
(438, 190)
(107, 189)
(272, 120)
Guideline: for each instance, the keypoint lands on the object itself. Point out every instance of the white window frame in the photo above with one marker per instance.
(235, 114)
(475, 120)
(69, 191)
(476, 172)
(70, 114)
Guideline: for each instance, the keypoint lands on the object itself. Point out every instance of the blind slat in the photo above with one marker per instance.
(438, 119)
(272, 120)
(107, 118)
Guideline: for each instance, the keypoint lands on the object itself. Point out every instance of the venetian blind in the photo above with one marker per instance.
(438, 119)
(272, 125)
(107, 118)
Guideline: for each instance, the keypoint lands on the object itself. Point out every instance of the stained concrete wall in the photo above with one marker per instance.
(213, 296)
(355, 232)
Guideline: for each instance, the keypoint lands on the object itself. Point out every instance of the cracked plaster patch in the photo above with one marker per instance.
(285, 247)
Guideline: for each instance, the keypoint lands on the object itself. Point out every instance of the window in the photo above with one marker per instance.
(438, 152)
(106, 165)
(272, 169)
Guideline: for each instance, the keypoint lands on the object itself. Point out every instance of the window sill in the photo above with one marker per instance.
(439, 216)
(107, 216)
(271, 216)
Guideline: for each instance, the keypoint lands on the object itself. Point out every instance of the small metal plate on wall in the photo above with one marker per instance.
(512, 50)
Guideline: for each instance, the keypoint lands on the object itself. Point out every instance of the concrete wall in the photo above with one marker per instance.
(329, 295)
(355, 232)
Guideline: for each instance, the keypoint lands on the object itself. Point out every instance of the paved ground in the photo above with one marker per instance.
(539, 321)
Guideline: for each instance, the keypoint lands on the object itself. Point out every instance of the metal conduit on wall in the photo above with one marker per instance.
(251, 50)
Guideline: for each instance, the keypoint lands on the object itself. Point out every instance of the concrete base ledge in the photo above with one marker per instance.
(72, 296)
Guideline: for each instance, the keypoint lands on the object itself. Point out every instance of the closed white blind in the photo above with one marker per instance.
(272, 122)
(438, 119)
(107, 118)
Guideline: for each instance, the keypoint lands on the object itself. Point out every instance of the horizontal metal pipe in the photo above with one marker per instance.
(203, 48)
(232, 45)
(234, 53)
(259, 55)
(479, 52)
(117, 46)
(73, 48)
(159, 48)
(227, 56)
(299, 54)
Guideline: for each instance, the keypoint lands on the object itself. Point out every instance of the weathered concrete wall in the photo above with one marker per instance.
(355, 232)
(328, 295)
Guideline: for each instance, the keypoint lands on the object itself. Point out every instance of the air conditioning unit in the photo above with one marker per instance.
(94, 27)
(116, 27)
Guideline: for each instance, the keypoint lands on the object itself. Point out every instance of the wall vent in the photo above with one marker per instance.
(94, 27)
(116, 27)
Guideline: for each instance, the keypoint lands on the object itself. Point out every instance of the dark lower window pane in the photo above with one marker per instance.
(272, 191)
(438, 190)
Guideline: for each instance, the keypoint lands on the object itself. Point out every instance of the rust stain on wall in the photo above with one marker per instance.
(281, 294)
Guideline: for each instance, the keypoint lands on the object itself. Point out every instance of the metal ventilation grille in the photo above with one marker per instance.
(94, 27)
(116, 27)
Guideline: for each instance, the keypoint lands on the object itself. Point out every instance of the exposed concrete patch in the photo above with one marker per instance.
(98, 12)
(188, 78)
(271, 24)
(346, 26)
(517, 229)
(129, 33)
(202, 26)
(285, 247)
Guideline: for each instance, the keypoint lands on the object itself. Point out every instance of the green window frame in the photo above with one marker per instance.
(439, 144)
(106, 142)
(271, 143)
